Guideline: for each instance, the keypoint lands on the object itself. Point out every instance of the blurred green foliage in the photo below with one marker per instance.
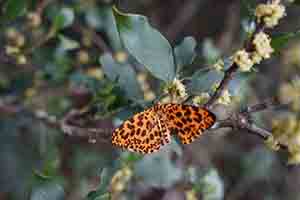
(88, 54)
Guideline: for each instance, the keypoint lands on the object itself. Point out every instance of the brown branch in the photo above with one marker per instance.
(228, 76)
(229, 73)
(261, 106)
(243, 120)
(75, 123)
(83, 124)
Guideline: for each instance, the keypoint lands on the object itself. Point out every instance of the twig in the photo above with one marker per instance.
(261, 106)
(254, 129)
(80, 124)
(229, 73)
(243, 120)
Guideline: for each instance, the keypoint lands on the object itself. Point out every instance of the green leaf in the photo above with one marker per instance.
(202, 81)
(247, 9)
(185, 52)
(104, 20)
(280, 41)
(67, 44)
(210, 52)
(14, 8)
(146, 44)
(49, 191)
(212, 186)
(102, 191)
(158, 170)
(124, 74)
(63, 18)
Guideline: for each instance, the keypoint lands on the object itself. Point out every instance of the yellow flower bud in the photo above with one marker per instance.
(121, 56)
(34, 19)
(243, 60)
(201, 99)
(95, 72)
(21, 60)
(83, 57)
(270, 13)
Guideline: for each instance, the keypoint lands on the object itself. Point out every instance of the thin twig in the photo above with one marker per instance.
(243, 120)
(254, 129)
(229, 73)
(261, 106)
(80, 124)
(228, 76)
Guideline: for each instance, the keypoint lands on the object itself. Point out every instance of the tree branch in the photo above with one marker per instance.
(243, 120)
(261, 106)
(229, 73)
(83, 124)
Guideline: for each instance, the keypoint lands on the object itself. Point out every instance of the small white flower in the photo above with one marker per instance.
(95, 72)
(243, 60)
(120, 179)
(270, 13)
(21, 60)
(149, 95)
(219, 65)
(141, 77)
(191, 195)
(201, 99)
(121, 56)
(12, 50)
(176, 89)
(262, 43)
(256, 58)
(225, 99)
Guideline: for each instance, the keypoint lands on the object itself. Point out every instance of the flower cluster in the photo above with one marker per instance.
(270, 13)
(176, 90)
(291, 56)
(95, 72)
(262, 50)
(191, 195)
(289, 93)
(219, 65)
(121, 56)
(286, 132)
(119, 180)
(201, 99)
(243, 60)
(262, 44)
(225, 99)
(16, 42)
